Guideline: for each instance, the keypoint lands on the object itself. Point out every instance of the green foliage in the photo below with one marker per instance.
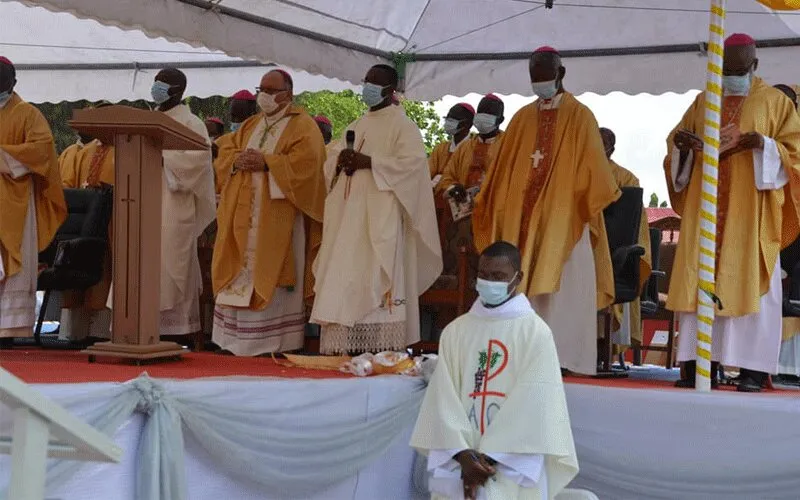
(653, 201)
(341, 108)
(429, 123)
(664, 204)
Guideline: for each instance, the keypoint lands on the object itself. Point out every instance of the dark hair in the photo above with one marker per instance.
(504, 249)
(395, 78)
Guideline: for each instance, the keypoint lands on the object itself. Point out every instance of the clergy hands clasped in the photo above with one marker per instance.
(250, 160)
(350, 161)
(476, 469)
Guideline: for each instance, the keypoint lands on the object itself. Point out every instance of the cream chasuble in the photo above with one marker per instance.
(497, 389)
(32, 207)
(757, 213)
(188, 205)
(279, 327)
(380, 245)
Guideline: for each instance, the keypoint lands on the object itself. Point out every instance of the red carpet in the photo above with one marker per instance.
(37, 366)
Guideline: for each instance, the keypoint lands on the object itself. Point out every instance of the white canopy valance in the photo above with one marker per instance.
(461, 46)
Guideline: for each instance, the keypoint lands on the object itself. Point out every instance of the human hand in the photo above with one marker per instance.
(249, 160)
(350, 161)
(751, 140)
(475, 471)
(686, 141)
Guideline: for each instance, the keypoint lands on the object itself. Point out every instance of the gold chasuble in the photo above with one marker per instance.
(439, 157)
(68, 160)
(295, 165)
(93, 166)
(468, 165)
(625, 178)
(25, 137)
(752, 225)
(221, 176)
(550, 179)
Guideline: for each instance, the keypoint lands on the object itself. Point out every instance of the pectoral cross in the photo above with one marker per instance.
(536, 157)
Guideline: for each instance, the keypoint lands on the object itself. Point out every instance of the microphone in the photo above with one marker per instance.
(350, 138)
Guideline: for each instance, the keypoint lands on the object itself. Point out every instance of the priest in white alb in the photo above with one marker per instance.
(188, 206)
(494, 422)
(380, 245)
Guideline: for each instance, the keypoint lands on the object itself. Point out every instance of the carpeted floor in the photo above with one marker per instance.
(37, 366)
(53, 366)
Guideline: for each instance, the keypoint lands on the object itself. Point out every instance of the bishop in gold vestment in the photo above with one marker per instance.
(85, 313)
(32, 206)
(269, 218)
(757, 215)
(545, 193)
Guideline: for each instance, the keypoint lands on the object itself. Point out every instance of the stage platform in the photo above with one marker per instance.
(637, 438)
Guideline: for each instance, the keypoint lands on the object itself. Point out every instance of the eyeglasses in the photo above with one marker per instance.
(270, 91)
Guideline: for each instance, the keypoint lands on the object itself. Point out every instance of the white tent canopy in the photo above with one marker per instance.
(59, 57)
(462, 46)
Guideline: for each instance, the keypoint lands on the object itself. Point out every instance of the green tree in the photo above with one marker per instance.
(653, 201)
(341, 108)
(664, 204)
(428, 121)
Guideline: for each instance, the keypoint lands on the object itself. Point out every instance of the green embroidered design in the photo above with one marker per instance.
(482, 359)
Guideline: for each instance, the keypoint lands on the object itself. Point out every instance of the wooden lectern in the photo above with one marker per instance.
(139, 137)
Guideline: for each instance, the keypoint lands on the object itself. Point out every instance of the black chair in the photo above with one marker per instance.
(653, 306)
(622, 220)
(790, 262)
(75, 258)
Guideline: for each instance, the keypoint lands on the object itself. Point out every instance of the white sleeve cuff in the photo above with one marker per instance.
(679, 182)
(274, 190)
(445, 474)
(172, 181)
(15, 168)
(525, 470)
(767, 167)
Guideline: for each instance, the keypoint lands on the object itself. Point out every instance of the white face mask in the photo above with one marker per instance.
(485, 123)
(545, 90)
(267, 103)
(4, 98)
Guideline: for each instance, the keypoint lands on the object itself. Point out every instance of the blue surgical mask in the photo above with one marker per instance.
(160, 92)
(235, 126)
(737, 85)
(493, 293)
(545, 90)
(451, 126)
(4, 98)
(372, 95)
(485, 123)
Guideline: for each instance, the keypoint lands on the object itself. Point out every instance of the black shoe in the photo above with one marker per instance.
(6, 343)
(751, 380)
(690, 369)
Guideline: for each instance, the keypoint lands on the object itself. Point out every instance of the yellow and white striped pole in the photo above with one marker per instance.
(708, 207)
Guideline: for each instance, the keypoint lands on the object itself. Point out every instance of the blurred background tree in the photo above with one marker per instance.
(342, 108)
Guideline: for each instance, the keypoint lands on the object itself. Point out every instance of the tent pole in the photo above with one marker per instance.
(706, 269)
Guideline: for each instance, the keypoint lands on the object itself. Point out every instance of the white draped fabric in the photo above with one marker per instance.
(674, 444)
(246, 438)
